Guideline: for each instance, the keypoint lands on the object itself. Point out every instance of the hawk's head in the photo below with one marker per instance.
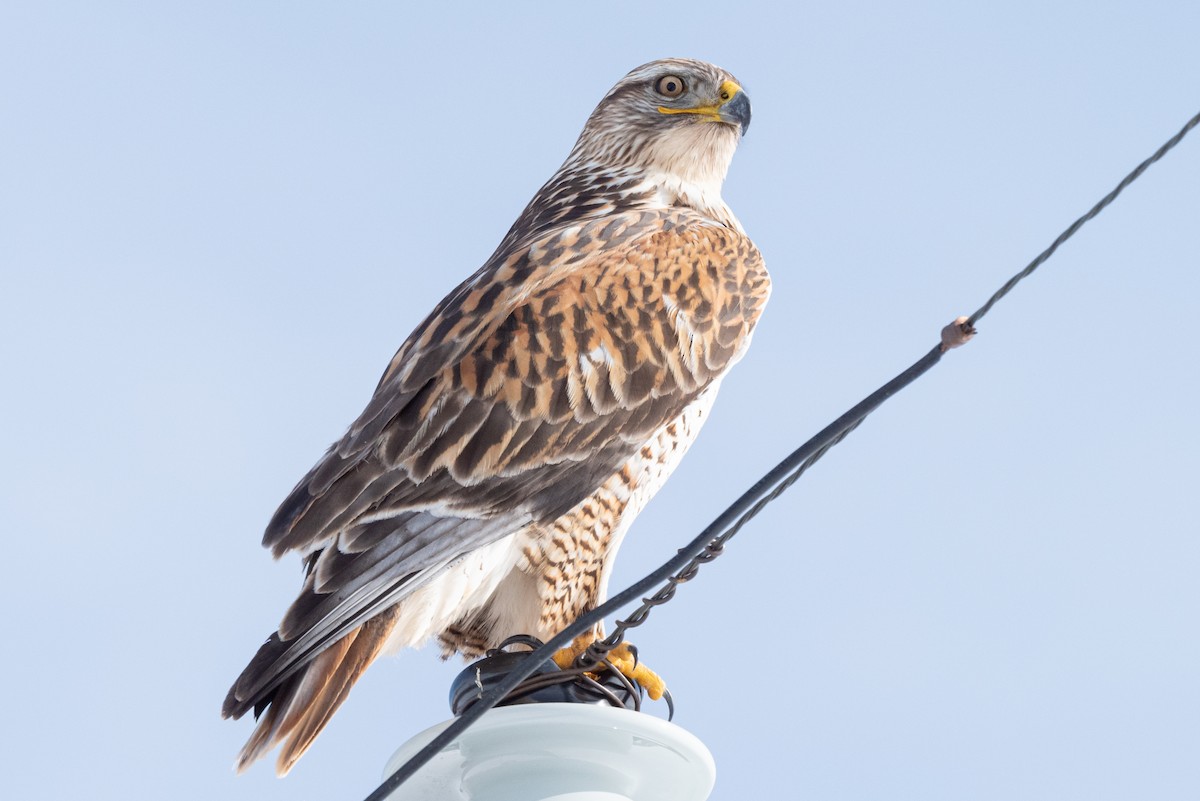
(676, 116)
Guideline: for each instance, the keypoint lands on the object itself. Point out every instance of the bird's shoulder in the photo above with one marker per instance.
(670, 248)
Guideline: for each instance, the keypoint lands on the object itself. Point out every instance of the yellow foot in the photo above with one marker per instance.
(622, 658)
(567, 656)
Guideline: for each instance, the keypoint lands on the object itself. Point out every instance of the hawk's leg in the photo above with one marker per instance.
(623, 658)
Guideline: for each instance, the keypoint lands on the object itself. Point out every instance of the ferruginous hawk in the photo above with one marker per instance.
(526, 421)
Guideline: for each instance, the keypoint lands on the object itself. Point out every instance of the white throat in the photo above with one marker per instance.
(704, 196)
(689, 168)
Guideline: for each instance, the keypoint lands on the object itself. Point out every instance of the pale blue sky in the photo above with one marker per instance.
(219, 220)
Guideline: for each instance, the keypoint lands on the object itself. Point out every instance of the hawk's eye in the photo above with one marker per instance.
(670, 86)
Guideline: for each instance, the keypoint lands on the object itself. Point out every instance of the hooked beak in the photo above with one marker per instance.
(737, 109)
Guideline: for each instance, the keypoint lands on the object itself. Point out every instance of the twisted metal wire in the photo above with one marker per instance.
(709, 543)
(598, 651)
(1075, 226)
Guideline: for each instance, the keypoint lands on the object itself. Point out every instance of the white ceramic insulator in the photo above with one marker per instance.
(561, 752)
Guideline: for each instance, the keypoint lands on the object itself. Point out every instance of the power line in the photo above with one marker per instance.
(707, 545)
(1075, 226)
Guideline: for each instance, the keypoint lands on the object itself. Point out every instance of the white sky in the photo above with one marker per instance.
(218, 221)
